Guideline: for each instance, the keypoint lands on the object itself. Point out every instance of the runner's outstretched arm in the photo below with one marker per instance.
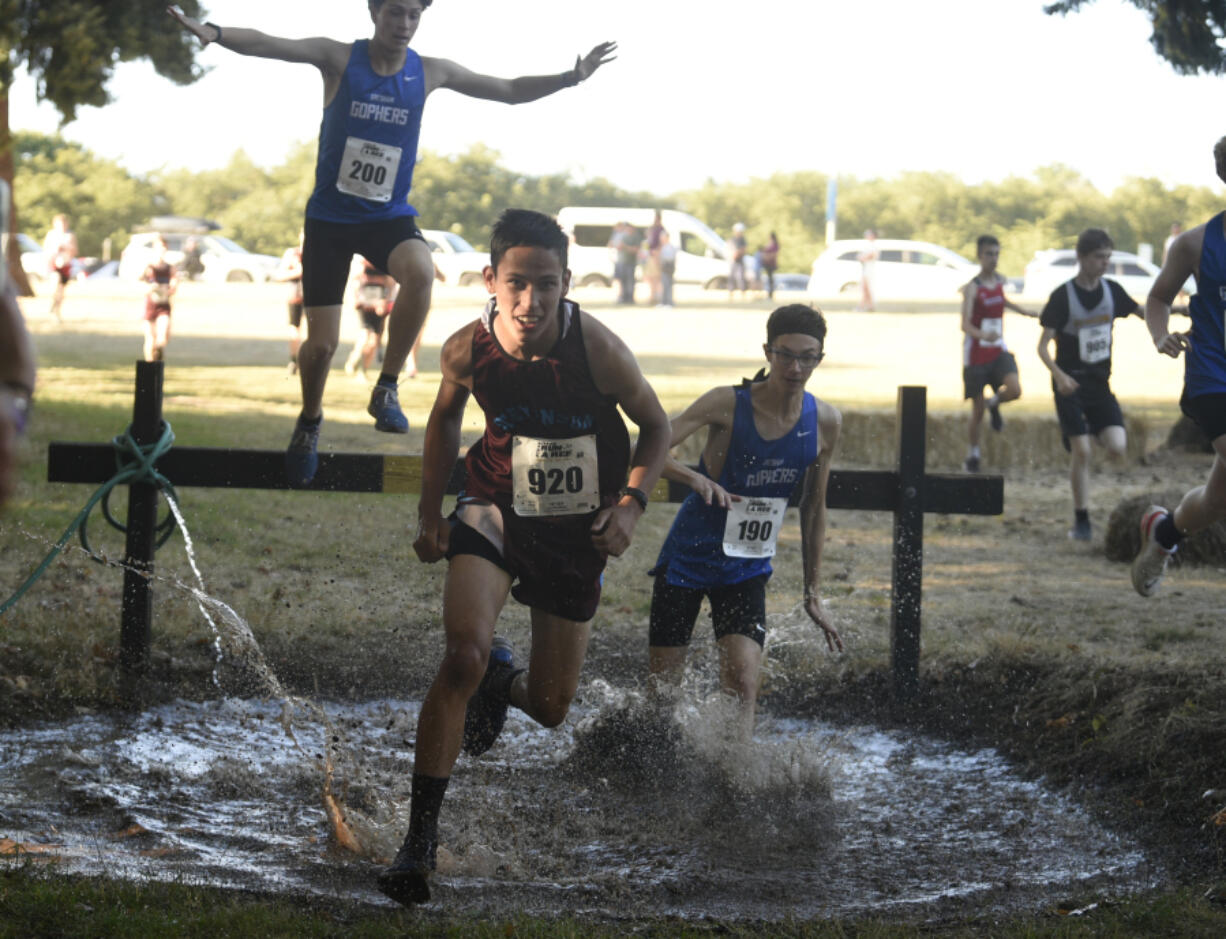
(443, 73)
(327, 55)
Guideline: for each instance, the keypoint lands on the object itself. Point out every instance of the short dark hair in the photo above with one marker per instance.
(1091, 240)
(796, 318)
(378, 3)
(525, 228)
(986, 241)
(1219, 158)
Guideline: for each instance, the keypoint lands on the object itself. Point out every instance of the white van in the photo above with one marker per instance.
(702, 255)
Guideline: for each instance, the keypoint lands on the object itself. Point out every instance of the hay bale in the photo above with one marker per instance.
(1186, 436)
(1123, 538)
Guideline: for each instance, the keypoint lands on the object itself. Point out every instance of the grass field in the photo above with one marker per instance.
(1030, 643)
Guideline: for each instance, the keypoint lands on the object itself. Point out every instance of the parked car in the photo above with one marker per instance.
(223, 259)
(702, 255)
(33, 262)
(460, 263)
(1051, 267)
(906, 270)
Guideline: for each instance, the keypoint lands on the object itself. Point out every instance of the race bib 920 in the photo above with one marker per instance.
(554, 477)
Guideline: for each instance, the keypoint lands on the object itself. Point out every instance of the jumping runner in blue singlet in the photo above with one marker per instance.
(374, 93)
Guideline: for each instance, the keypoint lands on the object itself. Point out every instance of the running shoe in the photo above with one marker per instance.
(998, 422)
(972, 464)
(1081, 530)
(302, 456)
(384, 407)
(487, 708)
(1149, 566)
(406, 882)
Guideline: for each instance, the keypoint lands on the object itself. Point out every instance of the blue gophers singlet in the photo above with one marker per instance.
(368, 142)
(696, 551)
(1205, 361)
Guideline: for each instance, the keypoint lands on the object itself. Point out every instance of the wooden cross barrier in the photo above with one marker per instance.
(908, 492)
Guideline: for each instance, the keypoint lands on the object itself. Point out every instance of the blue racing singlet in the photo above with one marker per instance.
(1205, 361)
(694, 552)
(368, 142)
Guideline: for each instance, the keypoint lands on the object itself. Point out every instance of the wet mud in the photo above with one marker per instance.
(622, 812)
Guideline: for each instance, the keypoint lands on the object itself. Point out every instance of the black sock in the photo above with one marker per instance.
(386, 379)
(1081, 515)
(421, 843)
(310, 421)
(1165, 532)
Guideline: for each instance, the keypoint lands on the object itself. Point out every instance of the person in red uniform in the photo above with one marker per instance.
(546, 502)
(986, 360)
(374, 294)
(162, 280)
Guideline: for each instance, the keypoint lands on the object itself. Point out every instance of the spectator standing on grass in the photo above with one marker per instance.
(374, 95)
(768, 263)
(765, 438)
(546, 503)
(668, 268)
(289, 271)
(651, 259)
(1202, 252)
(59, 252)
(986, 360)
(1079, 316)
(868, 273)
(736, 263)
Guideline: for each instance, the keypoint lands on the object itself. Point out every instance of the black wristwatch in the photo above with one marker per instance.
(636, 494)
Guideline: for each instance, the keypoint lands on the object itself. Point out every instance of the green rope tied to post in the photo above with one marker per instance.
(134, 463)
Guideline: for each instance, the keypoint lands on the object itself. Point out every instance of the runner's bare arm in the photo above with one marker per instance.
(713, 410)
(442, 444)
(813, 521)
(616, 372)
(1182, 261)
(1065, 383)
(443, 73)
(327, 55)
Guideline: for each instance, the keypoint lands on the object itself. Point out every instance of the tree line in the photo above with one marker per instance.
(261, 207)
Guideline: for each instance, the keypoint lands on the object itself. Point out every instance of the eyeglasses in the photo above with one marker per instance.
(805, 360)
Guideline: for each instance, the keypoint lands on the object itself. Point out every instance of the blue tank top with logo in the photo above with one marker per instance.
(1205, 361)
(693, 553)
(368, 142)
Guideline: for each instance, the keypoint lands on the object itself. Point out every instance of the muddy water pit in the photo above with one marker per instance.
(610, 815)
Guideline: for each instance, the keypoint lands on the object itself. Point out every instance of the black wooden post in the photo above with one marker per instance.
(908, 561)
(135, 629)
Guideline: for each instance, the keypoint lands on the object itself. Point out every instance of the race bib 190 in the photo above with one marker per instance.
(368, 169)
(554, 477)
(753, 527)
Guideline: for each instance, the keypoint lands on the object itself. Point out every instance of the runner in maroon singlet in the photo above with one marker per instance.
(546, 503)
(986, 360)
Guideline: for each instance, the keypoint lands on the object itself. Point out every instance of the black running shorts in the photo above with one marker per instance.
(736, 610)
(328, 249)
(1208, 411)
(554, 566)
(987, 375)
(1090, 409)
